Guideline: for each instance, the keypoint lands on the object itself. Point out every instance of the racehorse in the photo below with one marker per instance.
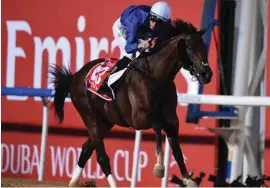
(146, 98)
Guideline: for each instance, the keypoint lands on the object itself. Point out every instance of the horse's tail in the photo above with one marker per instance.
(62, 78)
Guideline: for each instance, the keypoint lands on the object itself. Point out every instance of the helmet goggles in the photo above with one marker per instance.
(156, 19)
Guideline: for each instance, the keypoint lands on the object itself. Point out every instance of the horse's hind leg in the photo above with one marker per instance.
(104, 162)
(86, 153)
(81, 103)
(95, 141)
(87, 149)
(102, 158)
(97, 129)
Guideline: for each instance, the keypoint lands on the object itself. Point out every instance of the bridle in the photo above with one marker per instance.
(188, 64)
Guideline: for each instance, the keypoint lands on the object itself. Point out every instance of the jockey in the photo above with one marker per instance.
(135, 27)
(138, 24)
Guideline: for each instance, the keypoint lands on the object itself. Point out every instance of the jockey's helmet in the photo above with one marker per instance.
(161, 11)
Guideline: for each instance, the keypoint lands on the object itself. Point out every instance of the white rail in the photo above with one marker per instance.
(224, 100)
(44, 136)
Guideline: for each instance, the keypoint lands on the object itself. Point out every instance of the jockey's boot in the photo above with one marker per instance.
(122, 63)
(103, 89)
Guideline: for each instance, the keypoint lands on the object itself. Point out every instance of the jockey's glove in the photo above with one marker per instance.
(144, 45)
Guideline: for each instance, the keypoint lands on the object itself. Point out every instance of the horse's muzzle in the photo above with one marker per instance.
(205, 76)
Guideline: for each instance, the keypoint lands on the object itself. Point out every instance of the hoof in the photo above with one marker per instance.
(87, 183)
(73, 184)
(190, 183)
(158, 171)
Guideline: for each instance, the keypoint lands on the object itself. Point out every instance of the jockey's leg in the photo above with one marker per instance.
(121, 64)
(86, 153)
(159, 166)
(104, 162)
(119, 37)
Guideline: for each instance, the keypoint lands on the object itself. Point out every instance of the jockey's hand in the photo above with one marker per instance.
(144, 45)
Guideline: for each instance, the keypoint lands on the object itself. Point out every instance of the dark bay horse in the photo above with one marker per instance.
(146, 98)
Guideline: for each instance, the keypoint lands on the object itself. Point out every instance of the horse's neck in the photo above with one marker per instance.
(163, 62)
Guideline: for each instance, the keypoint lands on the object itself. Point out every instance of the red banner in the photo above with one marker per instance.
(20, 159)
(35, 33)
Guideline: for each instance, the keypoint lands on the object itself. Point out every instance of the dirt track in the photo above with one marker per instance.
(12, 182)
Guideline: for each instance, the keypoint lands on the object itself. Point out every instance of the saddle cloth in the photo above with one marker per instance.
(98, 73)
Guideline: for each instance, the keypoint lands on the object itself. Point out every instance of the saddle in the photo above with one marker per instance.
(104, 73)
(111, 80)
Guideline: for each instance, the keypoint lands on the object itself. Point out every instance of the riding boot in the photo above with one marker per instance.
(103, 89)
(122, 63)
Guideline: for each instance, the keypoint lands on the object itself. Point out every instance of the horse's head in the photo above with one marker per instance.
(192, 49)
(197, 61)
(181, 45)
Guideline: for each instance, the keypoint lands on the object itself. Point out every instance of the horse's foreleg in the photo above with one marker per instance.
(159, 166)
(84, 156)
(171, 130)
(171, 127)
(104, 162)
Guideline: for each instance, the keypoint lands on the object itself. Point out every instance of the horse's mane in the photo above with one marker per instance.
(178, 27)
(175, 28)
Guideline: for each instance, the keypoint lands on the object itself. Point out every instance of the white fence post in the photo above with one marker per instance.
(43, 139)
(136, 157)
(166, 163)
(241, 81)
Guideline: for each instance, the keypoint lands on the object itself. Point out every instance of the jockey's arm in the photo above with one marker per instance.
(131, 30)
(132, 26)
(132, 43)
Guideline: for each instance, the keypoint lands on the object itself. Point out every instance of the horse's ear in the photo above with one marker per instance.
(202, 31)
